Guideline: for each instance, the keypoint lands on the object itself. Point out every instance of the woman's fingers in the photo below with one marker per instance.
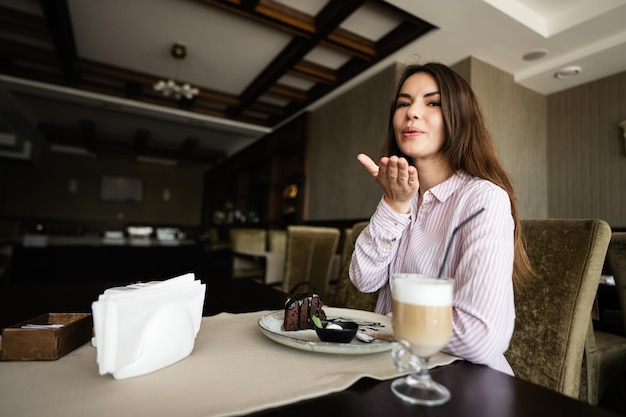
(412, 178)
(394, 174)
(369, 164)
(392, 168)
(399, 171)
(397, 178)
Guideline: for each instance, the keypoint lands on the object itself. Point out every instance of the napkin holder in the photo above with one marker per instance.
(46, 344)
(143, 327)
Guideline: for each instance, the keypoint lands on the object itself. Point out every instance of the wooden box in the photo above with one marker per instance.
(37, 343)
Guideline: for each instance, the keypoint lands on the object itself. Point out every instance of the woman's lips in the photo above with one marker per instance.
(410, 132)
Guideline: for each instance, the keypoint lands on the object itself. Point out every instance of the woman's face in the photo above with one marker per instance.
(418, 120)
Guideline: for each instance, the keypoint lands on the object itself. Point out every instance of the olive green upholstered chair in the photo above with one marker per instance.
(243, 242)
(308, 259)
(606, 353)
(553, 310)
(347, 295)
(277, 240)
(274, 258)
(253, 239)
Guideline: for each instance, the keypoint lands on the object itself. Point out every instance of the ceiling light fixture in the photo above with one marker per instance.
(535, 55)
(171, 87)
(567, 72)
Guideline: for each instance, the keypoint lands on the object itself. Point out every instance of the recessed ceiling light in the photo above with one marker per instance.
(535, 55)
(567, 72)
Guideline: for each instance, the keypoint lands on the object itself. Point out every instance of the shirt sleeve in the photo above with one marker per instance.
(376, 248)
(483, 305)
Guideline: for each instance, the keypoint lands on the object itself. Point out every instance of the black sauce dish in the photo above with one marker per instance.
(345, 334)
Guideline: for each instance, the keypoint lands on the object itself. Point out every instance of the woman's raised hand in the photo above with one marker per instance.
(397, 178)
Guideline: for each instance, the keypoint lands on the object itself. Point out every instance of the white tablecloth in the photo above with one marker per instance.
(233, 370)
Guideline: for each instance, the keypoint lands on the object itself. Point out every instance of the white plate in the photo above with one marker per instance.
(371, 323)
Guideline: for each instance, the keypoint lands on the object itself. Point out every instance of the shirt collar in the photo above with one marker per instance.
(444, 190)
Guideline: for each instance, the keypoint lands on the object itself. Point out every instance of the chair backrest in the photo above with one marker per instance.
(310, 251)
(277, 240)
(347, 295)
(248, 239)
(554, 309)
(616, 266)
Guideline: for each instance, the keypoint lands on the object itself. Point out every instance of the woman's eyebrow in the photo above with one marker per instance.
(407, 95)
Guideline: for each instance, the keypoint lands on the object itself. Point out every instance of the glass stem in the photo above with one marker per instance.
(420, 375)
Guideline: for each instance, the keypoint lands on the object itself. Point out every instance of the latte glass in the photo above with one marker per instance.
(422, 324)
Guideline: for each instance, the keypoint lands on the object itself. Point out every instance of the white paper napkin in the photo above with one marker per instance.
(144, 327)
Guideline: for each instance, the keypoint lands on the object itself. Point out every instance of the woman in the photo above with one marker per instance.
(439, 168)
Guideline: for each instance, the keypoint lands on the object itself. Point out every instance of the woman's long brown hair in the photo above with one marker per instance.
(468, 144)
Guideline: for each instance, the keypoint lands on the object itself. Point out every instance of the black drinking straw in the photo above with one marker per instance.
(456, 229)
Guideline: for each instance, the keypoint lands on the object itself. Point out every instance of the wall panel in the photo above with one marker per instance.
(517, 120)
(587, 160)
(338, 186)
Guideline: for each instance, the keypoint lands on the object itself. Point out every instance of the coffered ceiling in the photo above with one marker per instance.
(78, 75)
(255, 64)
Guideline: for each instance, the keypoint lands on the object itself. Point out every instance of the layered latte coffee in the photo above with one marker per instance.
(422, 313)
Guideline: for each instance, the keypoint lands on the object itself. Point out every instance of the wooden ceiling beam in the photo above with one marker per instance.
(400, 36)
(289, 93)
(286, 15)
(223, 98)
(43, 74)
(28, 52)
(314, 72)
(92, 68)
(328, 19)
(266, 108)
(23, 23)
(294, 22)
(351, 44)
(268, 15)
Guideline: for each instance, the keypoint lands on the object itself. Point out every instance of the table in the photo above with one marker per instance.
(476, 390)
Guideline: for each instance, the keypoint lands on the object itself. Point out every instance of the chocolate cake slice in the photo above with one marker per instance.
(299, 309)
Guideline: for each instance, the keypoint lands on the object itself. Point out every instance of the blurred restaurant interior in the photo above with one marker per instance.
(136, 136)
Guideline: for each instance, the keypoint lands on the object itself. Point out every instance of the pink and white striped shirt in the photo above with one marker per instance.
(480, 261)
